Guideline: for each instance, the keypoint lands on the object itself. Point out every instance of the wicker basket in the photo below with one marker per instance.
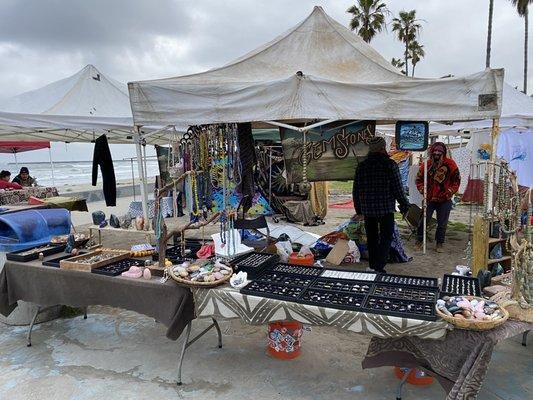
(474, 324)
(187, 282)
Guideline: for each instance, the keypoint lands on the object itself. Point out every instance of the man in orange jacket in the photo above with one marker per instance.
(443, 181)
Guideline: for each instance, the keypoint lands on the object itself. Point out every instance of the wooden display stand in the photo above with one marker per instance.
(482, 245)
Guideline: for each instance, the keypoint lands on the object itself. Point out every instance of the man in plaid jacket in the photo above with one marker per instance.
(376, 188)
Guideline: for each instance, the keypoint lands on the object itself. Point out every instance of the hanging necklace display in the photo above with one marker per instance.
(305, 186)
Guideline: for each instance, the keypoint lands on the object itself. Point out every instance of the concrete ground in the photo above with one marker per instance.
(117, 354)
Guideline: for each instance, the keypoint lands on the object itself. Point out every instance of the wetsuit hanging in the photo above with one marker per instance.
(102, 158)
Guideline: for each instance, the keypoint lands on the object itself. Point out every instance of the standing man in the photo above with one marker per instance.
(443, 181)
(376, 188)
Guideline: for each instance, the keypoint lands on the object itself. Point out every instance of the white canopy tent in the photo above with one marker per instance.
(78, 108)
(517, 112)
(317, 71)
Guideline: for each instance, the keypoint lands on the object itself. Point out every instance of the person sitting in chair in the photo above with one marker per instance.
(24, 179)
(5, 176)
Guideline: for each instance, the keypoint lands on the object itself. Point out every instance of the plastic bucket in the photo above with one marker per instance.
(285, 339)
(415, 377)
(296, 259)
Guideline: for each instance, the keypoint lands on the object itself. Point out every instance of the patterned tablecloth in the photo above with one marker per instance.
(225, 302)
(19, 196)
(136, 208)
(459, 362)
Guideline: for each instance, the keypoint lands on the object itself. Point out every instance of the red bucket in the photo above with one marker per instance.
(285, 339)
(415, 377)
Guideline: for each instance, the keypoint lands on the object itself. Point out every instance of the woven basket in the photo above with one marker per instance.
(187, 282)
(474, 324)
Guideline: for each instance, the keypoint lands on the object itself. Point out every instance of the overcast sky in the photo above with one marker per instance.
(45, 40)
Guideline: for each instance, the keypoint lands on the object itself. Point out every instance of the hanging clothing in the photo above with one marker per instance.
(318, 196)
(516, 146)
(247, 158)
(102, 158)
(415, 197)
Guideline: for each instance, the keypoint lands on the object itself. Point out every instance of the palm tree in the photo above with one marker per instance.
(416, 53)
(522, 8)
(407, 28)
(398, 63)
(368, 18)
(489, 34)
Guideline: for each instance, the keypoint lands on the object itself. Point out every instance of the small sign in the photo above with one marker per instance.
(412, 135)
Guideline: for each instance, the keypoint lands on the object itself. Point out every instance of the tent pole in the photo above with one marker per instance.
(425, 204)
(142, 183)
(16, 161)
(270, 177)
(491, 166)
(133, 180)
(52, 166)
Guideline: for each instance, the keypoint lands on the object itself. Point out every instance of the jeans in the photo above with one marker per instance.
(379, 232)
(443, 215)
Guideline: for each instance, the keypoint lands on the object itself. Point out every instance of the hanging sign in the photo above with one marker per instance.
(412, 135)
(333, 151)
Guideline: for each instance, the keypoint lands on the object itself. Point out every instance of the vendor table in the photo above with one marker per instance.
(148, 235)
(459, 362)
(225, 302)
(168, 303)
(22, 195)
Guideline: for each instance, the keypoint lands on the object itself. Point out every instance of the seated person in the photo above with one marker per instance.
(24, 179)
(5, 176)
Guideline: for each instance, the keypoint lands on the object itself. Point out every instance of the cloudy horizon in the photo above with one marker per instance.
(44, 41)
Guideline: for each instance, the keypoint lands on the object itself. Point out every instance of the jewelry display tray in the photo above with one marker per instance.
(340, 294)
(173, 253)
(254, 263)
(469, 285)
(17, 256)
(118, 267)
(418, 281)
(54, 262)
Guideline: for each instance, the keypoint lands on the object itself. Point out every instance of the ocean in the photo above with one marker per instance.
(76, 172)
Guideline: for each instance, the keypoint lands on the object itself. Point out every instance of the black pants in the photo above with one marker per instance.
(379, 232)
(443, 215)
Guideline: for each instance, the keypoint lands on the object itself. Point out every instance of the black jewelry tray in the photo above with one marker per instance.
(297, 269)
(173, 253)
(54, 262)
(273, 290)
(342, 285)
(407, 280)
(333, 299)
(118, 268)
(470, 286)
(254, 263)
(281, 278)
(399, 308)
(406, 292)
(17, 256)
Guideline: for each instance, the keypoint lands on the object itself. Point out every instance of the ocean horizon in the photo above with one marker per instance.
(78, 172)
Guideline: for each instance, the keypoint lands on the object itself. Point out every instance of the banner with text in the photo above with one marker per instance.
(333, 151)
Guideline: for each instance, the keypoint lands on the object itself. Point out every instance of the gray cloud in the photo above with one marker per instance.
(45, 40)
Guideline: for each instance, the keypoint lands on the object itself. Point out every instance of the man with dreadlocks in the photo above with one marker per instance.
(443, 181)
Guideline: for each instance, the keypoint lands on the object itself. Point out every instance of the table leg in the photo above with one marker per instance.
(524, 338)
(402, 382)
(184, 347)
(31, 326)
(187, 342)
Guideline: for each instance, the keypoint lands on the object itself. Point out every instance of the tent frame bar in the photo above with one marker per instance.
(300, 129)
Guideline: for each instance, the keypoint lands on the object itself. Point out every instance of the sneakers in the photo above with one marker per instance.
(439, 248)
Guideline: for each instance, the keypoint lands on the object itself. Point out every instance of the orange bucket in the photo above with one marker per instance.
(415, 377)
(297, 259)
(285, 339)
